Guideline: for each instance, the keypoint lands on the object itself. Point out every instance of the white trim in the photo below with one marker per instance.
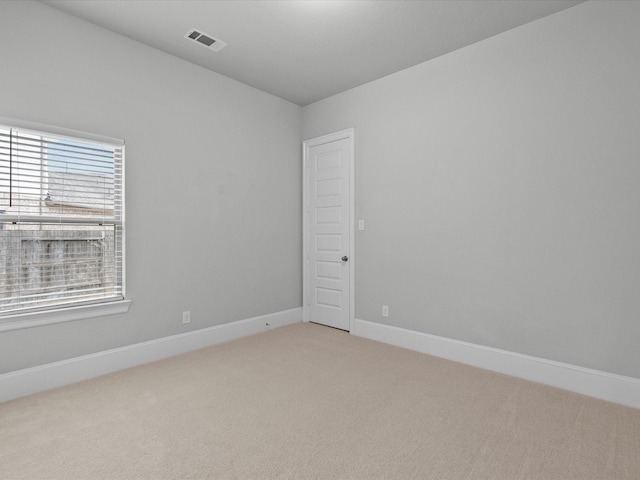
(352, 232)
(28, 218)
(36, 379)
(349, 134)
(39, 128)
(60, 315)
(594, 383)
(305, 232)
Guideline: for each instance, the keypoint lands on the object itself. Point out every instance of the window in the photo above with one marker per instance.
(61, 220)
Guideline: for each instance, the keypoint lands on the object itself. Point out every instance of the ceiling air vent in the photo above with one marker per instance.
(205, 40)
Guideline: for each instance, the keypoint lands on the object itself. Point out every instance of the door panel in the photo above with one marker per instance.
(328, 223)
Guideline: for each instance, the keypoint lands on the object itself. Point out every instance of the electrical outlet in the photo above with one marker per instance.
(385, 310)
(186, 317)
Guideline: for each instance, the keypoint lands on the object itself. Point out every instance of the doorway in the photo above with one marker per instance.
(328, 233)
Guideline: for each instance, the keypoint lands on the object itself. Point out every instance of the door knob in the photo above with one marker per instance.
(345, 258)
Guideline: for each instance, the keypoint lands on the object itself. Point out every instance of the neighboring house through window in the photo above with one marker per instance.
(61, 220)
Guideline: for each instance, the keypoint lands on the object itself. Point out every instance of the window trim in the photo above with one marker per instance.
(62, 314)
(66, 132)
(20, 321)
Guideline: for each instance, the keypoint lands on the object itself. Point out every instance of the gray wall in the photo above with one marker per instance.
(213, 179)
(500, 185)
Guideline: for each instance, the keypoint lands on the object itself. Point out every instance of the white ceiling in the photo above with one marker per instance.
(306, 50)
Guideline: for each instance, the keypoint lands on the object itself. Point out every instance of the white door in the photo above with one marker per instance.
(328, 230)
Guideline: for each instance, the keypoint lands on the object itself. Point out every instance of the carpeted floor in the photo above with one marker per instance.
(310, 402)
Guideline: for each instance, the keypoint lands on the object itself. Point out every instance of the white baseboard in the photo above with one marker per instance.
(44, 377)
(594, 383)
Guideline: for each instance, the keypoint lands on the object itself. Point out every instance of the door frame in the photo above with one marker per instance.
(348, 134)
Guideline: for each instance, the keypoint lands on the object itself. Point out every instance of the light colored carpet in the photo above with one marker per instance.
(310, 402)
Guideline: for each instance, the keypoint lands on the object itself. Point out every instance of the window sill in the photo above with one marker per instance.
(69, 314)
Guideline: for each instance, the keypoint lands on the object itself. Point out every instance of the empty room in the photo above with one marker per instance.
(319, 239)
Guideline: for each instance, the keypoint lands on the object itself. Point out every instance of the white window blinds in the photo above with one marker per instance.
(61, 220)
